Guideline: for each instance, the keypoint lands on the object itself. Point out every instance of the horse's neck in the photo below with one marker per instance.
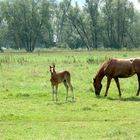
(100, 75)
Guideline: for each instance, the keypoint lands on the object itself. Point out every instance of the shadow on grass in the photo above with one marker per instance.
(65, 102)
(132, 99)
(60, 102)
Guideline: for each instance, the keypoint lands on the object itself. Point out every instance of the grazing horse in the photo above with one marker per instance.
(57, 78)
(117, 68)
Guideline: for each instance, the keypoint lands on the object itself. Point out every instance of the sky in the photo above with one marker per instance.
(81, 2)
(136, 4)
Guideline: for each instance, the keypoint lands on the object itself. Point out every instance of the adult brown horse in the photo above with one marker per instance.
(117, 68)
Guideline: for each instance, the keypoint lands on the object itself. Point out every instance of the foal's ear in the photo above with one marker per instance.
(54, 65)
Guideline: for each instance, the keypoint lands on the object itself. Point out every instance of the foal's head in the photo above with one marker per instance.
(97, 86)
(52, 69)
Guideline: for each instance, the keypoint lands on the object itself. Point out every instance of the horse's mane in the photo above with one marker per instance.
(103, 67)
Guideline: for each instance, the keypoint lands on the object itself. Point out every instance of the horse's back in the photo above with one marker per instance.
(120, 68)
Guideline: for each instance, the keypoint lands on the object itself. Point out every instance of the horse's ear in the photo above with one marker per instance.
(94, 79)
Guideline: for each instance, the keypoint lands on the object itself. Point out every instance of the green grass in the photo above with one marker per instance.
(27, 110)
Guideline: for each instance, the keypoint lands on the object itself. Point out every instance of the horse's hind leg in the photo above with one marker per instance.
(118, 85)
(138, 85)
(66, 86)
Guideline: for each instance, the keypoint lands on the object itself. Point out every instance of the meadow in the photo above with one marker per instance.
(27, 111)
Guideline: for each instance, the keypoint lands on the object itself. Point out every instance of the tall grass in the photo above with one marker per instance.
(27, 110)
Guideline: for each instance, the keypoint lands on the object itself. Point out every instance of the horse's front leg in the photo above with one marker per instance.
(118, 85)
(108, 84)
(138, 85)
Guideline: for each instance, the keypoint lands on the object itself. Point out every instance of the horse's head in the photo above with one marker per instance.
(97, 86)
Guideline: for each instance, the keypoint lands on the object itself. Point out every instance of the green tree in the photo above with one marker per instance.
(25, 21)
(77, 17)
(93, 10)
(99, 23)
(3, 31)
(118, 18)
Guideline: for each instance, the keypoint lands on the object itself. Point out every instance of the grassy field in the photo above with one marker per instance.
(28, 113)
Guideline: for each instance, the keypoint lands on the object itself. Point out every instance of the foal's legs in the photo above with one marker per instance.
(138, 85)
(70, 85)
(66, 85)
(52, 92)
(108, 84)
(56, 88)
(56, 92)
(118, 85)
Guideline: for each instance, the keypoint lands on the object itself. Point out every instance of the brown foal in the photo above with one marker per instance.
(57, 78)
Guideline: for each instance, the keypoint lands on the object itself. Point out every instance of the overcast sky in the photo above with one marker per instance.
(81, 2)
(136, 4)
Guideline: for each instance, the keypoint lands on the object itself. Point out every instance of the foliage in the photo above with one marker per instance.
(98, 24)
(25, 21)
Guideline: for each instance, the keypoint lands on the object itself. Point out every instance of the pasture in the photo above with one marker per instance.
(27, 110)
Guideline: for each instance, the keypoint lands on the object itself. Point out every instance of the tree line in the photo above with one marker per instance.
(28, 24)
